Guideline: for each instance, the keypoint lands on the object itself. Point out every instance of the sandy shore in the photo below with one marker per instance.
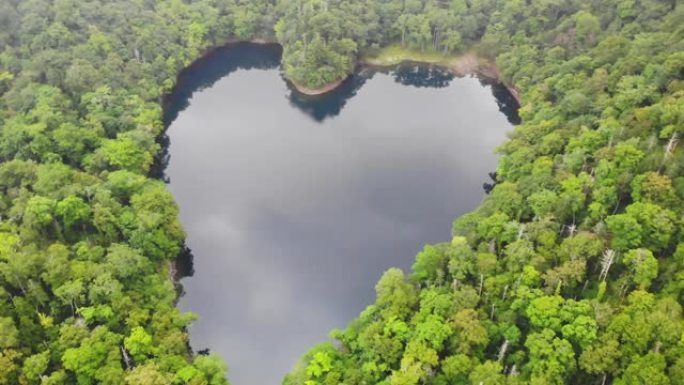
(317, 91)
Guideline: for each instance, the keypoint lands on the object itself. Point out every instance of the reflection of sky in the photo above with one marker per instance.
(291, 221)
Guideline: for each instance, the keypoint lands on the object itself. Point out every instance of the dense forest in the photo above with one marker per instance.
(571, 270)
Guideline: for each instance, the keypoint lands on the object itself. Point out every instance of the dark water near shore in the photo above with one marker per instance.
(294, 206)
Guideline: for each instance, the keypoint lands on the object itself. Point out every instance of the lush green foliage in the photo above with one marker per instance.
(86, 238)
(569, 272)
(323, 38)
(571, 269)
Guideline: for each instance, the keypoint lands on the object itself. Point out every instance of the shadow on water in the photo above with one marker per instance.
(184, 266)
(214, 66)
(329, 104)
(428, 76)
(202, 74)
(417, 75)
(226, 60)
(507, 103)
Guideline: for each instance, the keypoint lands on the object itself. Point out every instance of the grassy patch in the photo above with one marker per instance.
(396, 54)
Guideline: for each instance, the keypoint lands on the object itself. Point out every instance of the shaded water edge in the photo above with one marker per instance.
(265, 54)
(244, 55)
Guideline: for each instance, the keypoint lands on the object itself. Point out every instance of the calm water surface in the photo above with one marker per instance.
(294, 207)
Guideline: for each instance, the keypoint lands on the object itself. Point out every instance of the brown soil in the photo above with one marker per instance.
(317, 91)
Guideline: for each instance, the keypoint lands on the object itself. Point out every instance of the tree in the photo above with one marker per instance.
(552, 359)
(126, 263)
(213, 368)
(35, 366)
(416, 364)
(566, 276)
(493, 228)
(519, 254)
(544, 312)
(153, 226)
(506, 199)
(469, 333)
(430, 264)
(487, 373)
(643, 265)
(456, 368)
(9, 370)
(648, 369)
(40, 211)
(73, 141)
(96, 359)
(582, 331)
(148, 374)
(71, 293)
(320, 364)
(583, 246)
(139, 344)
(123, 153)
(452, 42)
(73, 210)
(393, 293)
(625, 230)
(433, 331)
(602, 357)
(543, 202)
(657, 225)
(461, 259)
(652, 187)
(587, 26)
(9, 337)
(575, 103)
(676, 372)
(123, 184)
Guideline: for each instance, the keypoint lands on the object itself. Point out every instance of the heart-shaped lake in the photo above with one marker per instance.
(295, 206)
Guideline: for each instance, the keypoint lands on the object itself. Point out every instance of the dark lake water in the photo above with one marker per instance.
(295, 206)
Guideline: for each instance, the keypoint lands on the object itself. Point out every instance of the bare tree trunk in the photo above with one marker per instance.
(584, 287)
(606, 262)
(669, 149)
(502, 350)
(126, 358)
(481, 284)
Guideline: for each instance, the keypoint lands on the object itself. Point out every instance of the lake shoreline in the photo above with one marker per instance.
(317, 91)
(460, 65)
